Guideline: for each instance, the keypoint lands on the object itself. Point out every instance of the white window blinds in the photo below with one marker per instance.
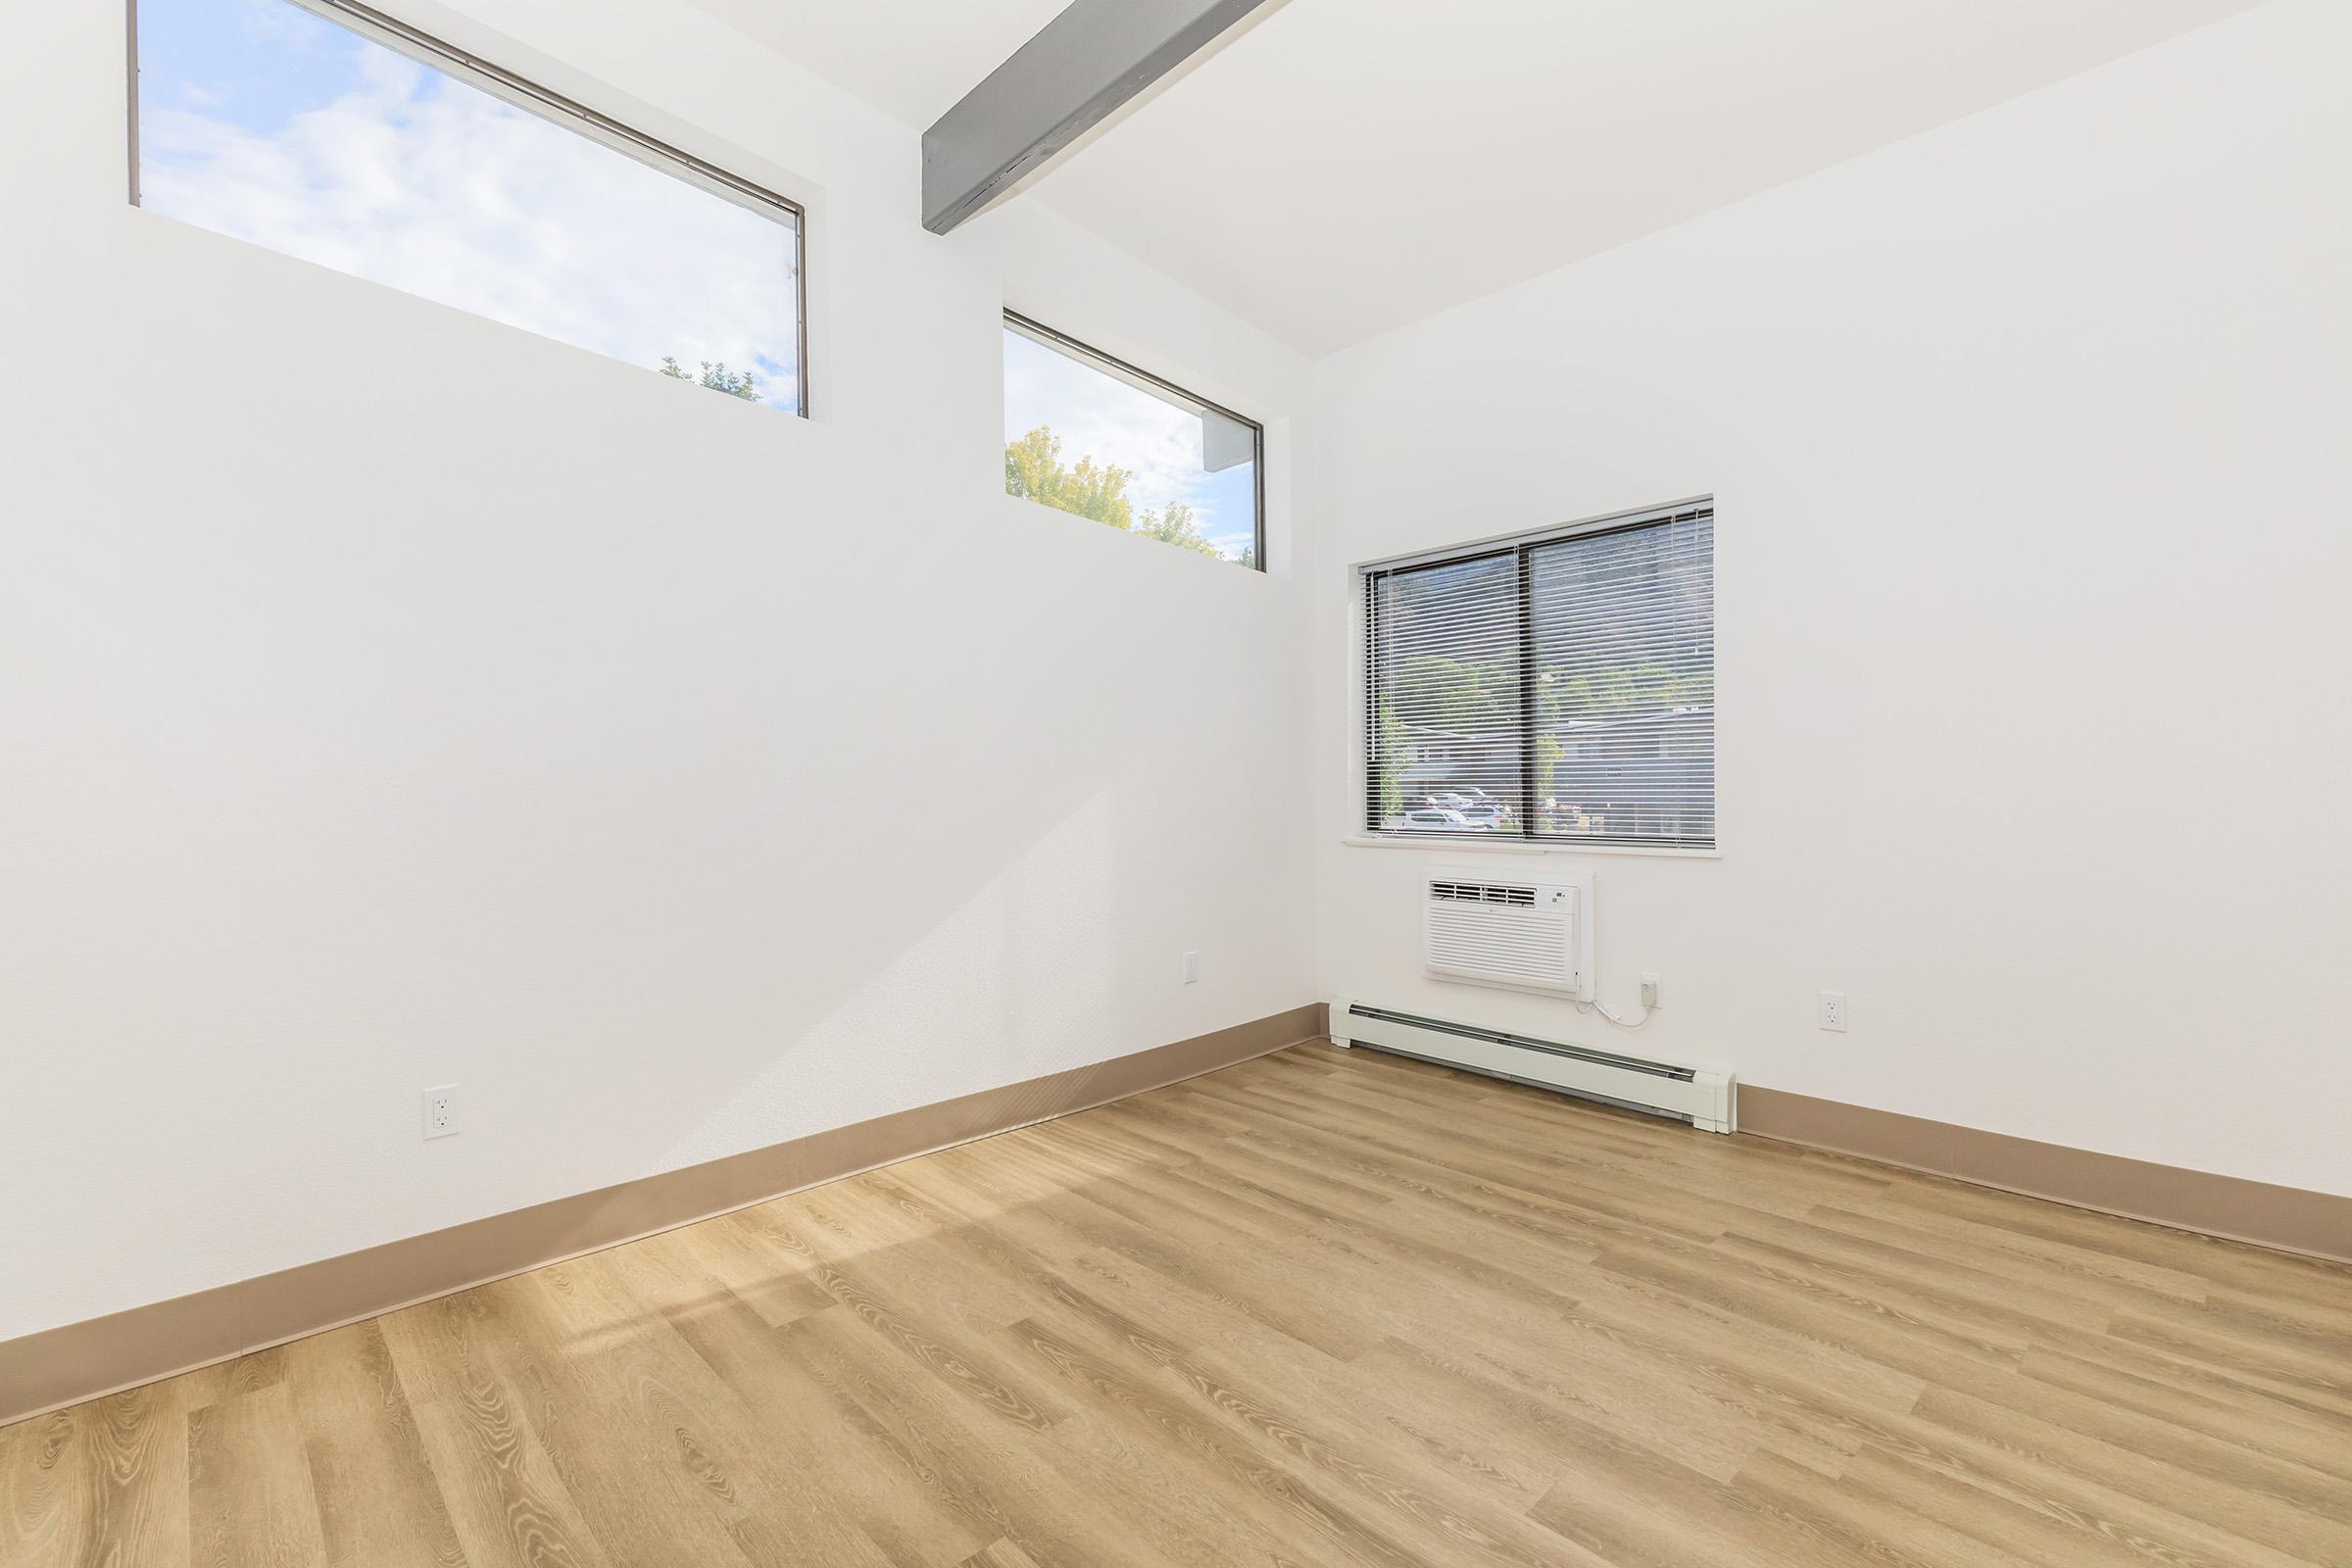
(1561, 688)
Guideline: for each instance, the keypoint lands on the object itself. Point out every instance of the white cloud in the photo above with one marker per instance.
(1105, 419)
(418, 181)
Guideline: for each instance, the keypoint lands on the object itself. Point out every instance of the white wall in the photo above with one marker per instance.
(2030, 440)
(390, 697)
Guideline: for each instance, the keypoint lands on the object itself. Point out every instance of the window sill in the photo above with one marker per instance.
(1446, 845)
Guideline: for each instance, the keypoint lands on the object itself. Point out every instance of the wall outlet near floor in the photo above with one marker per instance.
(1192, 968)
(1649, 990)
(441, 1112)
(1832, 1010)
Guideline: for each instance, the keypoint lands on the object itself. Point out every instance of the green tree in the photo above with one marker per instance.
(1173, 524)
(718, 377)
(1550, 753)
(1391, 754)
(1458, 694)
(1035, 471)
(1645, 687)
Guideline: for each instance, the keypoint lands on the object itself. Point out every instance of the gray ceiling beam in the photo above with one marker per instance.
(1087, 62)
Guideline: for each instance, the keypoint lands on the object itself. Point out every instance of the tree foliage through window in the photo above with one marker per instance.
(718, 377)
(1035, 471)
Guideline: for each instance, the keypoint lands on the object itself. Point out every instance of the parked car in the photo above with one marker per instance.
(1477, 809)
(1446, 819)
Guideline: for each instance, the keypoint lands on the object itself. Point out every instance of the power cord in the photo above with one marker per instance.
(1608, 1016)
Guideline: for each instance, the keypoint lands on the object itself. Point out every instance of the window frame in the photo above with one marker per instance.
(1362, 767)
(1119, 369)
(556, 109)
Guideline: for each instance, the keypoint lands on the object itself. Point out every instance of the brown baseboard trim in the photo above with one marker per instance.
(62, 1366)
(2286, 1219)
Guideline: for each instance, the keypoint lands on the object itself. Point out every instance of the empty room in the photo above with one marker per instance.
(1176, 783)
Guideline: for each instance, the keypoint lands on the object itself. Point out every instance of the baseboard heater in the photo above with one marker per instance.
(1696, 1095)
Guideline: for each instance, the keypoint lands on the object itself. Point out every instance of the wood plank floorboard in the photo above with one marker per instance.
(1322, 1309)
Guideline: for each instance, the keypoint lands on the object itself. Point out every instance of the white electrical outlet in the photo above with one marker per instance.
(1649, 990)
(1192, 968)
(441, 1112)
(1832, 1010)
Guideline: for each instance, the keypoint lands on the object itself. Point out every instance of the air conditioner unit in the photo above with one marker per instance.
(1703, 1098)
(1530, 934)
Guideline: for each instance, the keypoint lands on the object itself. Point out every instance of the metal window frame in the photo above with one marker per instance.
(553, 106)
(1119, 369)
(1521, 547)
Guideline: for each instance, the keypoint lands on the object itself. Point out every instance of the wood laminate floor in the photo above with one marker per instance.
(1325, 1308)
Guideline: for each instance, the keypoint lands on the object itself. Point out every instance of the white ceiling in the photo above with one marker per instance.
(1348, 165)
(911, 59)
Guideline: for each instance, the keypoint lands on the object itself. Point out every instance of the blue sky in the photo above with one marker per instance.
(261, 119)
(1155, 440)
(247, 64)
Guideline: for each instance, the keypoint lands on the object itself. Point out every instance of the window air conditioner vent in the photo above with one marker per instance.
(1533, 936)
(1483, 892)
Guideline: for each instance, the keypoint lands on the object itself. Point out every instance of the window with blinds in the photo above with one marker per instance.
(1557, 688)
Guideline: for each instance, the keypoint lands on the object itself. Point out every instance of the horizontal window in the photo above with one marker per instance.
(1559, 688)
(1092, 435)
(332, 133)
